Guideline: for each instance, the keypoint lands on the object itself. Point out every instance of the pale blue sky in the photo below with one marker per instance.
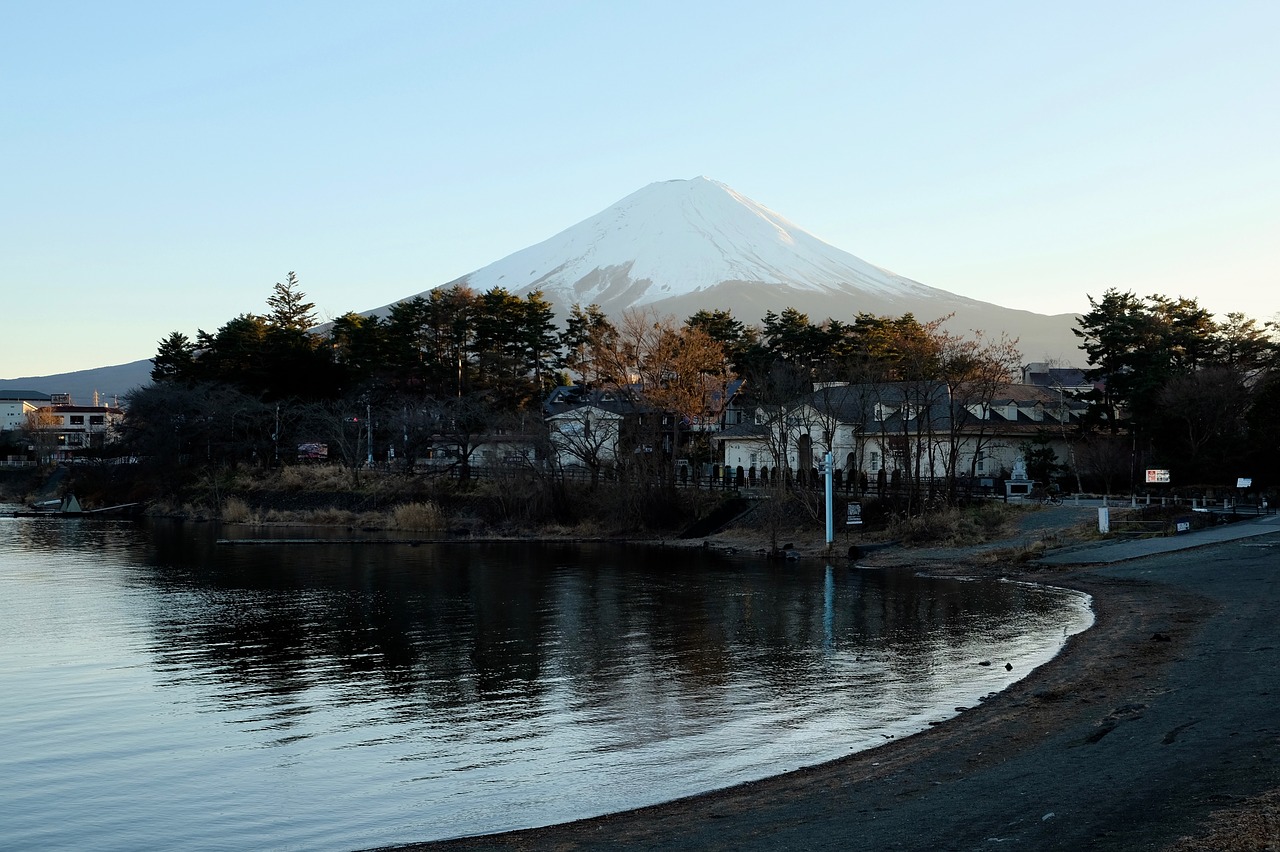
(166, 163)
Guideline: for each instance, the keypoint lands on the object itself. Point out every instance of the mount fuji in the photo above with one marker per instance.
(684, 245)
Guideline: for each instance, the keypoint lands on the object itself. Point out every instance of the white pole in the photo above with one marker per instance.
(828, 464)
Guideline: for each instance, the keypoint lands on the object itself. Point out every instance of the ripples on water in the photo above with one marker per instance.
(161, 691)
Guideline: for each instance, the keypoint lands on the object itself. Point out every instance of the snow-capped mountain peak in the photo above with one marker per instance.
(680, 246)
(679, 237)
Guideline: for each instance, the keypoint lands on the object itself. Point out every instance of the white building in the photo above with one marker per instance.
(15, 405)
(924, 430)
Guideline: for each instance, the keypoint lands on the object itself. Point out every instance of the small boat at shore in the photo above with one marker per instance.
(67, 507)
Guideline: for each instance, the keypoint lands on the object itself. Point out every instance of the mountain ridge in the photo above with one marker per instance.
(110, 383)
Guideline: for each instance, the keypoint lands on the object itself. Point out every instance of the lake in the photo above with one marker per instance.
(161, 690)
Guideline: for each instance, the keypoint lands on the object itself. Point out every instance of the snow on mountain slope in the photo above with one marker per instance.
(686, 245)
(678, 237)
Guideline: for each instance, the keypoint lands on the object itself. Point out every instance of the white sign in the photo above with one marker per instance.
(1244, 482)
(1157, 476)
(854, 514)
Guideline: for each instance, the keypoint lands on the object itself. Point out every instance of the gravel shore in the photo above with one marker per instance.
(1163, 713)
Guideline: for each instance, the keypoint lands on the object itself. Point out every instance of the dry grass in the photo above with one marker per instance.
(327, 517)
(320, 477)
(236, 511)
(582, 529)
(417, 516)
(1253, 826)
(954, 527)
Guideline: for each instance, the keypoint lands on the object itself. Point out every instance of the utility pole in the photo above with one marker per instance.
(368, 416)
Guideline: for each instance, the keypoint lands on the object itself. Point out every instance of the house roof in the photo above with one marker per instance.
(742, 432)
(17, 395)
(570, 397)
(857, 404)
(1056, 377)
(609, 410)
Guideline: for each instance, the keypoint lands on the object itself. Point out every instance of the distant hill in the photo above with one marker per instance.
(110, 383)
(684, 245)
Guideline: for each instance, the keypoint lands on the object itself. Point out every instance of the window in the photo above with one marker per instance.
(875, 460)
(95, 420)
(76, 419)
(980, 463)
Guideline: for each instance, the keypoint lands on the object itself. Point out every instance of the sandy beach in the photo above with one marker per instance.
(1164, 713)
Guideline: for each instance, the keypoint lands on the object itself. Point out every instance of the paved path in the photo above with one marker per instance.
(1120, 551)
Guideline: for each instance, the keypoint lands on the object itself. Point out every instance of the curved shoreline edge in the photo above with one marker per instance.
(1159, 714)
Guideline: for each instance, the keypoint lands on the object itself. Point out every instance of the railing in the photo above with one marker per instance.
(928, 489)
(935, 488)
(1136, 526)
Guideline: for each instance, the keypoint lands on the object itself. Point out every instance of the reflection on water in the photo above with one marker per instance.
(169, 691)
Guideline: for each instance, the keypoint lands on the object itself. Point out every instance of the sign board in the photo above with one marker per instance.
(1184, 526)
(1157, 476)
(1244, 482)
(855, 514)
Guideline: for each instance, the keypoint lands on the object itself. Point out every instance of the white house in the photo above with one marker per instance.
(586, 435)
(15, 405)
(923, 429)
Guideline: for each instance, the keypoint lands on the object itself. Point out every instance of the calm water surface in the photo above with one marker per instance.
(158, 690)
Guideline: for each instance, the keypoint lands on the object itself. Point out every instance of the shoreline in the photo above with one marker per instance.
(1100, 747)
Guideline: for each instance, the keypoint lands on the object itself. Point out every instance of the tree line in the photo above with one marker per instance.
(454, 368)
(1177, 389)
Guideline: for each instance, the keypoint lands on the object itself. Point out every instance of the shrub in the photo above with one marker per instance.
(328, 517)
(953, 526)
(940, 527)
(321, 477)
(417, 516)
(235, 511)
